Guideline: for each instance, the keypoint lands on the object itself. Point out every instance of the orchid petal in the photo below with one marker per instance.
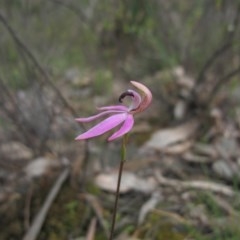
(136, 100)
(125, 128)
(94, 117)
(147, 96)
(104, 126)
(114, 107)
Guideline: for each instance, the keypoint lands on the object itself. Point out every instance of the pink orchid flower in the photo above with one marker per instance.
(120, 114)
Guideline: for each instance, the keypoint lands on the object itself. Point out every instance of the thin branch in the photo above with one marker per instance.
(41, 70)
(37, 64)
(225, 79)
(218, 52)
(27, 207)
(11, 115)
(221, 50)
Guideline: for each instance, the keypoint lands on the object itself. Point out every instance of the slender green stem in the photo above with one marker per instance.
(123, 159)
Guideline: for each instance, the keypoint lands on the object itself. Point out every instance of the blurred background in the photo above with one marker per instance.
(60, 60)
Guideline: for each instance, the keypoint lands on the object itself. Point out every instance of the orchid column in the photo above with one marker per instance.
(122, 117)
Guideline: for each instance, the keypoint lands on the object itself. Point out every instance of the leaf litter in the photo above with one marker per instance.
(166, 176)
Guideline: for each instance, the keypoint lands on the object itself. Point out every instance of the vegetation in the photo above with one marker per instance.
(60, 58)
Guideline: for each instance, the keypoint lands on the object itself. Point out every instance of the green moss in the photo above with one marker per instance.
(158, 227)
(66, 217)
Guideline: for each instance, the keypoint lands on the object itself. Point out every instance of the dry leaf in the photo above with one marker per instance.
(15, 151)
(108, 182)
(166, 137)
(179, 148)
(39, 166)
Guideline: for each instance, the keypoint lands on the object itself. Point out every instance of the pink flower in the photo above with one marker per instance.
(120, 114)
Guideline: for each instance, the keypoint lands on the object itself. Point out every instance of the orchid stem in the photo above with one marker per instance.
(123, 159)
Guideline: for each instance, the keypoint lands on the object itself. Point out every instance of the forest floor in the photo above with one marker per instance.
(180, 181)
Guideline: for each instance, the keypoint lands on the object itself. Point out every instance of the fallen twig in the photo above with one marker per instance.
(39, 219)
(225, 206)
(92, 229)
(203, 185)
(149, 206)
(27, 208)
(174, 216)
